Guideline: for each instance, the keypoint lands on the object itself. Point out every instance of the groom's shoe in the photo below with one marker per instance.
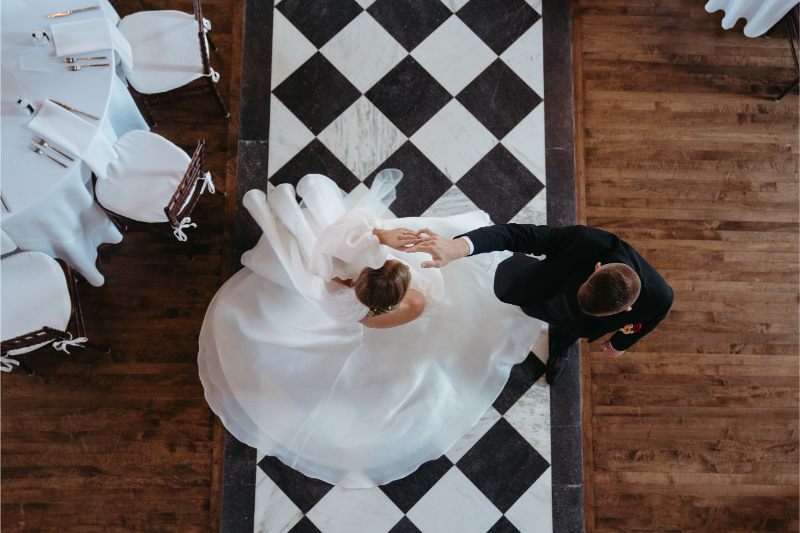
(559, 356)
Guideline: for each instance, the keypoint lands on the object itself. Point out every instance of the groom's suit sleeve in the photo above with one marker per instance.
(519, 280)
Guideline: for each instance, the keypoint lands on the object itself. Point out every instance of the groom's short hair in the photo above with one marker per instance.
(610, 289)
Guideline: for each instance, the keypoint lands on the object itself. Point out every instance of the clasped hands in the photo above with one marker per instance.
(442, 250)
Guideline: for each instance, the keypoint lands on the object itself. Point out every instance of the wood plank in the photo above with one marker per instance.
(688, 158)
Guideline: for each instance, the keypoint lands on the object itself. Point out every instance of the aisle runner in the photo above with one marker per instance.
(451, 93)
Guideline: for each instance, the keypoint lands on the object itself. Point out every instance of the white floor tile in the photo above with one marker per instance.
(275, 512)
(531, 417)
(287, 135)
(365, 3)
(453, 55)
(533, 512)
(526, 142)
(454, 140)
(525, 57)
(364, 52)
(362, 138)
(535, 212)
(455, 5)
(259, 455)
(536, 4)
(453, 202)
(461, 447)
(290, 49)
(355, 510)
(454, 505)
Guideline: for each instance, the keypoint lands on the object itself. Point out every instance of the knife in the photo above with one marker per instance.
(65, 106)
(65, 13)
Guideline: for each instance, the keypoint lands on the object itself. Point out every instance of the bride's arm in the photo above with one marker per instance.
(410, 308)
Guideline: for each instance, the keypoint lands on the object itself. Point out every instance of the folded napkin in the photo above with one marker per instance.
(56, 124)
(85, 36)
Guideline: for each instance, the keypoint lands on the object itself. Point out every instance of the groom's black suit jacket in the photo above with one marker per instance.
(548, 289)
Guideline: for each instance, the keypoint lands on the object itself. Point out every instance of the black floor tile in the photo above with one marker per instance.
(499, 98)
(503, 465)
(405, 526)
(319, 20)
(500, 185)
(316, 93)
(409, 490)
(503, 526)
(315, 159)
(522, 378)
(408, 96)
(304, 526)
(498, 22)
(304, 491)
(409, 21)
(422, 182)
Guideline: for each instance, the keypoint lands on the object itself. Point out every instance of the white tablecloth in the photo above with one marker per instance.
(761, 15)
(52, 210)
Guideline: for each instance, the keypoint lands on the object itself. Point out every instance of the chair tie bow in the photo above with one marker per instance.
(6, 362)
(209, 184)
(62, 345)
(214, 75)
(185, 223)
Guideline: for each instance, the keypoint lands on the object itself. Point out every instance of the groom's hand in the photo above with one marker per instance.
(442, 250)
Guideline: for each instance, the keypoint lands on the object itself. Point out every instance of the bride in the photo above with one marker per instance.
(335, 351)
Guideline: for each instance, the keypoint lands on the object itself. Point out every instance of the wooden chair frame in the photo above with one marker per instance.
(791, 21)
(50, 335)
(192, 90)
(180, 205)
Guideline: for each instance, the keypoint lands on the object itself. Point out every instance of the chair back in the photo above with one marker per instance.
(792, 21)
(185, 198)
(198, 15)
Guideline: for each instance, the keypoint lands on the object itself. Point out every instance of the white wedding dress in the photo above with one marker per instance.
(290, 371)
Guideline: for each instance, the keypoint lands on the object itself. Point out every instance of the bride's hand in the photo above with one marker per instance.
(396, 238)
(442, 250)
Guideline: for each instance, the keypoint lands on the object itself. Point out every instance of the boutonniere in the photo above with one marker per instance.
(628, 329)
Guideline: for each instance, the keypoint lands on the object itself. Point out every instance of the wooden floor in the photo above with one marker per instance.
(125, 442)
(683, 153)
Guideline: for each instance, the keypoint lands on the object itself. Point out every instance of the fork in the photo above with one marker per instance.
(74, 59)
(78, 67)
(38, 150)
(42, 142)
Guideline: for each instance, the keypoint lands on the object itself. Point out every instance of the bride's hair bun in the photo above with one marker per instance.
(382, 289)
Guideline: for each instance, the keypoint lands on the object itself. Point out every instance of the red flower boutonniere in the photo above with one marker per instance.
(631, 328)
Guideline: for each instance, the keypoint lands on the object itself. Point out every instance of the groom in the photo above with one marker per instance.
(591, 283)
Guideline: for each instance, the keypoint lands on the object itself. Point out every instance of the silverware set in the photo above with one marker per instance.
(41, 142)
(4, 204)
(78, 67)
(65, 13)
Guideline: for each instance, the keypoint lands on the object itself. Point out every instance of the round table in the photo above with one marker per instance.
(51, 207)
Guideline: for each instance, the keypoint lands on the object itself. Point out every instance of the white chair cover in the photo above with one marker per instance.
(141, 182)
(761, 15)
(166, 53)
(34, 294)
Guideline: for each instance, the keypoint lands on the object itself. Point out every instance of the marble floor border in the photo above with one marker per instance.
(239, 468)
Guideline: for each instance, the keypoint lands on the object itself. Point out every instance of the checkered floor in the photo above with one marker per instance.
(496, 479)
(448, 91)
(451, 93)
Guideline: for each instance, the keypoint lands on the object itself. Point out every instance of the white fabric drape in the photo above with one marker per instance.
(761, 15)
(350, 405)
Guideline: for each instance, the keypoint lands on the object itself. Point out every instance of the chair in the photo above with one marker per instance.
(153, 184)
(167, 58)
(40, 299)
(792, 21)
